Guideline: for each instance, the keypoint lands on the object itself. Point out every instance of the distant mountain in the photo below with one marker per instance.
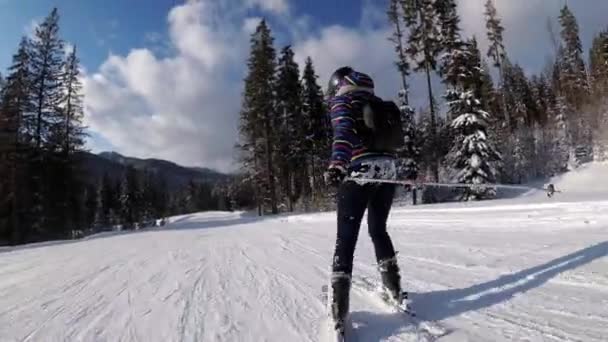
(114, 165)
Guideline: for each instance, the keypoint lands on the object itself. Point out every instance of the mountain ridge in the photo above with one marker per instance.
(115, 164)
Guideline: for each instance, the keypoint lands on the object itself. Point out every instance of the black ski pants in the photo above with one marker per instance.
(353, 200)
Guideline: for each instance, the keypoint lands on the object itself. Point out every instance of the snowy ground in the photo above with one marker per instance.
(528, 269)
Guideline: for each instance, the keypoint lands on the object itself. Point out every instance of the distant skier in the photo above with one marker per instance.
(366, 133)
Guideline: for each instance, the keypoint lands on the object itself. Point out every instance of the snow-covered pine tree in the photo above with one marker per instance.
(453, 66)
(598, 65)
(474, 159)
(257, 134)
(423, 48)
(574, 83)
(318, 134)
(292, 144)
(14, 104)
(561, 143)
(456, 66)
(409, 154)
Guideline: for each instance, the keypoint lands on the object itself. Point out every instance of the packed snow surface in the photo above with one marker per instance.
(526, 269)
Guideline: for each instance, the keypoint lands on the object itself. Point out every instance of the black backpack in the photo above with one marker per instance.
(383, 131)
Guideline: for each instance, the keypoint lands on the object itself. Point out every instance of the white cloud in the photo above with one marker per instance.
(276, 6)
(364, 49)
(250, 24)
(185, 107)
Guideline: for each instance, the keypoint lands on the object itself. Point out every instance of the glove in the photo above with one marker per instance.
(334, 176)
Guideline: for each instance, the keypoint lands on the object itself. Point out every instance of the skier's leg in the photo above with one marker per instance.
(352, 201)
(379, 208)
(378, 211)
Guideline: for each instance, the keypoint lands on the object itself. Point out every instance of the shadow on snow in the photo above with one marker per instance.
(440, 305)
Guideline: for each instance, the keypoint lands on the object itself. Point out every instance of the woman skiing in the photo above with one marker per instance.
(359, 151)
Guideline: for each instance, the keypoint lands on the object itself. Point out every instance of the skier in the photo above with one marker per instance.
(364, 143)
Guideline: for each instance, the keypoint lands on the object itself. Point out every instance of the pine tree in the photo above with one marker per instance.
(395, 17)
(598, 65)
(574, 76)
(161, 200)
(318, 132)
(561, 143)
(423, 48)
(293, 147)
(14, 104)
(108, 201)
(130, 199)
(455, 58)
(455, 51)
(495, 31)
(90, 208)
(496, 51)
(474, 158)
(47, 70)
(72, 129)
(409, 154)
(257, 118)
(148, 199)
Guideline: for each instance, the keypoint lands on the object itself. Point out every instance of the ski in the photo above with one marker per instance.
(432, 329)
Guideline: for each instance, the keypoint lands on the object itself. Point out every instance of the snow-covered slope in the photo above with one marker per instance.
(533, 270)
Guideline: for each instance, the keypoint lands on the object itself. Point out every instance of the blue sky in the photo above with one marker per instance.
(100, 27)
(163, 78)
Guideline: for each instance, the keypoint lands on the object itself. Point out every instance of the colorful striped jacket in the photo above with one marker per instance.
(346, 112)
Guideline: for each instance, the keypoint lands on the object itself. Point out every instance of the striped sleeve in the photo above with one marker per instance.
(345, 137)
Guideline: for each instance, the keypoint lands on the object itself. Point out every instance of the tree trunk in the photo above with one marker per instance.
(503, 97)
(434, 164)
(269, 168)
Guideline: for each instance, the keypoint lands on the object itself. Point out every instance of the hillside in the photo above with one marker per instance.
(114, 165)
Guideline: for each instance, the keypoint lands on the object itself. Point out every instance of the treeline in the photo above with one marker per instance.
(143, 199)
(509, 129)
(41, 131)
(45, 190)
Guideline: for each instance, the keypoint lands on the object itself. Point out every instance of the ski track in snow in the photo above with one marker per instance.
(495, 271)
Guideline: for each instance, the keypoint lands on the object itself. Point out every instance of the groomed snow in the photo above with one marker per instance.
(527, 269)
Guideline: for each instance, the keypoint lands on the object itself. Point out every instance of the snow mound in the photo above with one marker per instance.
(590, 178)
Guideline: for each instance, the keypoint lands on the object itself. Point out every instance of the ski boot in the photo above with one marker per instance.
(340, 288)
(391, 284)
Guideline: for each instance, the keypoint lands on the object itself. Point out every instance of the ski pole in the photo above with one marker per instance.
(550, 188)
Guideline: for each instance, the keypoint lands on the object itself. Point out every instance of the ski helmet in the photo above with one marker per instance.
(336, 80)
